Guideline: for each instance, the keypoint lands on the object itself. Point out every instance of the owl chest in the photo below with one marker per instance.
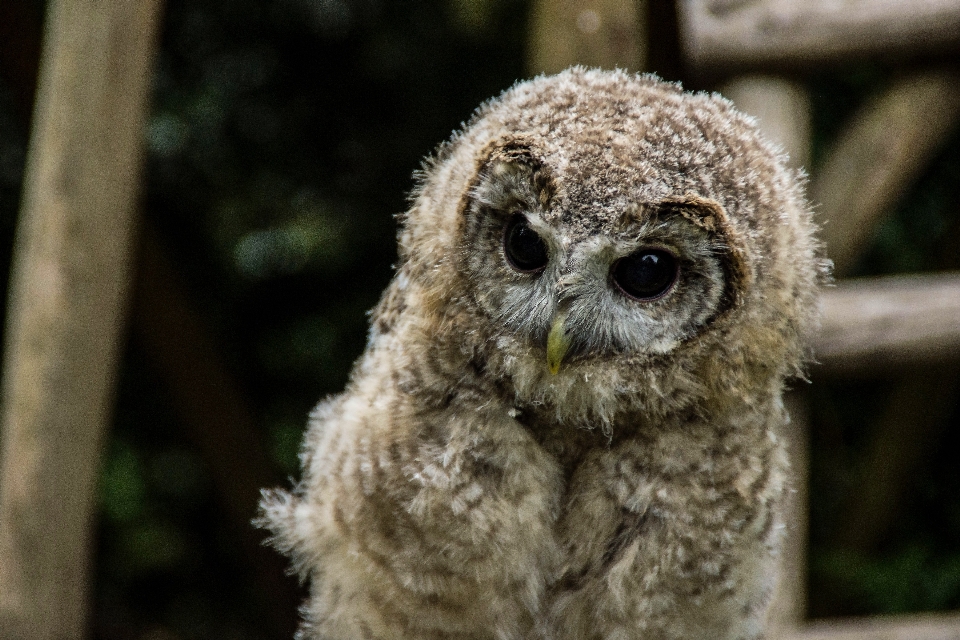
(677, 503)
(607, 520)
(476, 520)
(622, 516)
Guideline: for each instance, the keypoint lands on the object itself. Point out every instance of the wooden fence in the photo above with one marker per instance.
(869, 324)
(753, 49)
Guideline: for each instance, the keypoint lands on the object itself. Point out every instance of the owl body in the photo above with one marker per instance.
(563, 426)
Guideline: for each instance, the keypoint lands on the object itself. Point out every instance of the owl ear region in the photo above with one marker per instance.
(511, 169)
(710, 216)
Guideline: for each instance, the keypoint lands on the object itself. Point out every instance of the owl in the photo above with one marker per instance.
(564, 423)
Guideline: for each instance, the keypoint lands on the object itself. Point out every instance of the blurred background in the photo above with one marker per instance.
(280, 144)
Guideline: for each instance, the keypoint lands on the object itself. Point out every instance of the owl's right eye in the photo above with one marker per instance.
(524, 249)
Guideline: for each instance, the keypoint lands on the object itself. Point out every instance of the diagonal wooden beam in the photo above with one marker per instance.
(216, 418)
(878, 157)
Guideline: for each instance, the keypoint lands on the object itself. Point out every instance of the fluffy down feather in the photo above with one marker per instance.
(458, 489)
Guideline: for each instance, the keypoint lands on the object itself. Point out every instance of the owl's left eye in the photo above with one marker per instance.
(646, 275)
(523, 247)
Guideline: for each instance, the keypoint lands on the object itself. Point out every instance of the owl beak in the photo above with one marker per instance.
(558, 343)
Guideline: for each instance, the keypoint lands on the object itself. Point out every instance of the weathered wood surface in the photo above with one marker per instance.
(754, 33)
(182, 350)
(595, 33)
(891, 140)
(907, 627)
(782, 109)
(885, 323)
(65, 316)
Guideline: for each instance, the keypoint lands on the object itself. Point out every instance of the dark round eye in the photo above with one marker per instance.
(646, 274)
(525, 250)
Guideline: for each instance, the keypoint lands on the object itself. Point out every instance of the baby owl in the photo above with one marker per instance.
(563, 426)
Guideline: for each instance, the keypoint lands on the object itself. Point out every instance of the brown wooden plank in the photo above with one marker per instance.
(876, 159)
(66, 313)
(720, 34)
(884, 323)
(908, 627)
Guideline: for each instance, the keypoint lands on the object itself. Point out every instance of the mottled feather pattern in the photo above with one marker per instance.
(459, 489)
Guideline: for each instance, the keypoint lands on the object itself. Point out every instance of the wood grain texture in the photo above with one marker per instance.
(595, 33)
(884, 323)
(66, 313)
(907, 627)
(877, 158)
(782, 110)
(756, 33)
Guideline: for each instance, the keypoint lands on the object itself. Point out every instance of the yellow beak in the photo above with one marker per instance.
(558, 343)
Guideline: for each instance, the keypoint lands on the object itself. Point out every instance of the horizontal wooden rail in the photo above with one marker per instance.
(885, 323)
(906, 627)
(720, 34)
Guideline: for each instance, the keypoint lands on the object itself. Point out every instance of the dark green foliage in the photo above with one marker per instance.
(915, 566)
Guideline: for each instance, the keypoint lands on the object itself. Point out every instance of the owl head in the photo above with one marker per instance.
(598, 243)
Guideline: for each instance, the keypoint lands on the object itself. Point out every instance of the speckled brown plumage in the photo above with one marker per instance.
(458, 489)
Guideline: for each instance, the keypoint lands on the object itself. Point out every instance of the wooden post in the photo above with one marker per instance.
(596, 33)
(782, 109)
(65, 315)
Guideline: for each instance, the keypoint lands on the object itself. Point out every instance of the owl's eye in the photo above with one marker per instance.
(646, 274)
(524, 248)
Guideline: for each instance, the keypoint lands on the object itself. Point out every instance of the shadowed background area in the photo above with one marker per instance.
(281, 141)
